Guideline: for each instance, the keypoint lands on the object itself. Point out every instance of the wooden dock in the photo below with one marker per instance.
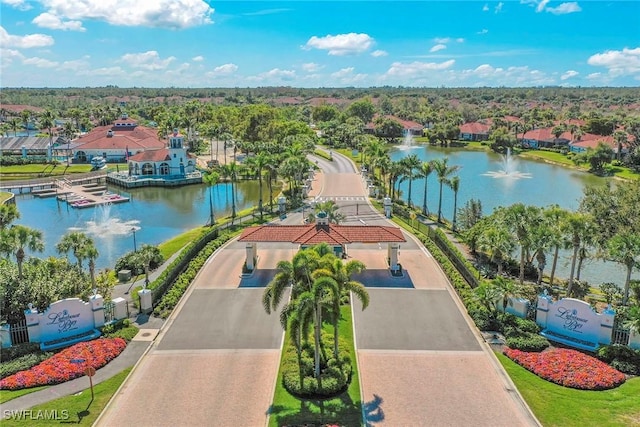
(83, 196)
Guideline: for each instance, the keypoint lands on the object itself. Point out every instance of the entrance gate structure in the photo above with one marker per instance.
(336, 236)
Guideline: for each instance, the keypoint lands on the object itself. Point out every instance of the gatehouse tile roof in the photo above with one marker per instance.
(313, 234)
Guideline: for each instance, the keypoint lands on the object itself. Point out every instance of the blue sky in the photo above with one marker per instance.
(196, 43)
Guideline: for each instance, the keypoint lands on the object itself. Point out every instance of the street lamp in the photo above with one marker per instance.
(133, 230)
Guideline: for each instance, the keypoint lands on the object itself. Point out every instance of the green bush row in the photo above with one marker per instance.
(19, 350)
(22, 363)
(120, 329)
(171, 297)
(621, 357)
(335, 374)
(527, 341)
(323, 154)
(128, 262)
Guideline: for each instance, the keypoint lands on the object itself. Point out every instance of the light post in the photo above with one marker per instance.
(133, 230)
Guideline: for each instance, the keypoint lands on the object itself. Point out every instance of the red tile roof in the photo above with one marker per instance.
(475, 128)
(138, 138)
(406, 124)
(312, 234)
(157, 155)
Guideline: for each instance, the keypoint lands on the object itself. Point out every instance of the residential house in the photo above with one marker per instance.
(166, 162)
(408, 126)
(474, 131)
(545, 138)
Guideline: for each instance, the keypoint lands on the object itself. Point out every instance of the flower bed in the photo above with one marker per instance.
(67, 364)
(569, 368)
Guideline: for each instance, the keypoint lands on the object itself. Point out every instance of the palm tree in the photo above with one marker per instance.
(625, 249)
(425, 170)
(454, 183)
(443, 170)
(18, 238)
(297, 315)
(231, 170)
(395, 171)
(91, 252)
(576, 225)
(554, 217)
(47, 121)
(331, 209)
(497, 242)
(258, 163)
(14, 124)
(77, 242)
(321, 295)
(342, 273)
(520, 218)
(411, 165)
(211, 179)
(25, 115)
(8, 213)
(143, 258)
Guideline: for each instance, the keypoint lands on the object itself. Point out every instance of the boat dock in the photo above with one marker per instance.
(80, 196)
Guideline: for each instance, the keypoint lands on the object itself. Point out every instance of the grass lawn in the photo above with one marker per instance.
(7, 395)
(4, 196)
(345, 409)
(172, 246)
(550, 156)
(79, 408)
(555, 405)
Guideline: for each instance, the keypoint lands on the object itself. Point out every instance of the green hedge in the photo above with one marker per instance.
(621, 357)
(176, 289)
(527, 342)
(335, 375)
(23, 363)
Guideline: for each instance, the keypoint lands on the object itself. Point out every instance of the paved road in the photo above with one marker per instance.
(215, 361)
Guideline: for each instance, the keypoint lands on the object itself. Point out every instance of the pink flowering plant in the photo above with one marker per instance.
(67, 364)
(569, 368)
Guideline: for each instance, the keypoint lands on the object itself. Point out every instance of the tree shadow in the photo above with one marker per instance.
(340, 410)
(373, 412)
(81, 415)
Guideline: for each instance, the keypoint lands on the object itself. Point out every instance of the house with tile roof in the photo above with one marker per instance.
(474, 131)
(589, 140)
(116, 142)
(166, 162)
(544, 137)
(408, 126)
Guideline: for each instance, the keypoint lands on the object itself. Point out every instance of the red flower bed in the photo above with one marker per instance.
(569, 368)
(59, 368)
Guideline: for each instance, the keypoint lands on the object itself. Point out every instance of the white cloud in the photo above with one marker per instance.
(347, 76)
(569, 74)
(174, 14)
(279, 74)
(438, 47)
(75, 64)
(498, 8)
(17, 4)
(483, 31)
(198, 58)
(40, 62)
(618, 62)
(447, 40)
(414, 69)
(47, 20)
(541, 5)
(311, 67)
(594, 76)
(565, 8)
(149, 60)
(379, 53)
(485, 8)
(104, 72)
(341, 44)
(225, 69)
(8, 55)
(24, 42)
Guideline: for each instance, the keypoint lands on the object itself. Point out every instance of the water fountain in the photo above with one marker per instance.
(509, 168)
(407, 142)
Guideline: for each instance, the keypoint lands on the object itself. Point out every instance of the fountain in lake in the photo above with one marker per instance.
(509, 168)
(407, 142)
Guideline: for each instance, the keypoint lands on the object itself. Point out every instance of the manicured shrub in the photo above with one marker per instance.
(120, 329)
(19, 350)
(621, 357)
(127, 262)
(527, 342)
(569, 368)
(22, 363)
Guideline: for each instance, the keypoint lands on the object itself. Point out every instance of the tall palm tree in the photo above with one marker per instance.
(454, 183)
(497, 242)
(14, 124)
(576, 226)
(411, 165)
(211, 179)
(520, 219)
(8, 213)
(625, 249)
(76, 242)
(322, 294)
(18, 238)
(231, 170)
(46, 120)
(425, 170)
(297, 316)
(92, 253)
(331, 209)
(143, 258)
(443, 170)
(258, 163)
(554, 216)
(26, 115)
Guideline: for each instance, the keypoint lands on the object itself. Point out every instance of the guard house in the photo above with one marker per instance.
(336, 236)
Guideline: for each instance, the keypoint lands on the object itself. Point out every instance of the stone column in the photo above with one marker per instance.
(607, 318)
(119, 308)
(634, 339)
(392, 253)
(252, 252)
(33, 323)
(5, 336)
(387, 206)
(97, 307)
(542, 312)
(146, 304)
